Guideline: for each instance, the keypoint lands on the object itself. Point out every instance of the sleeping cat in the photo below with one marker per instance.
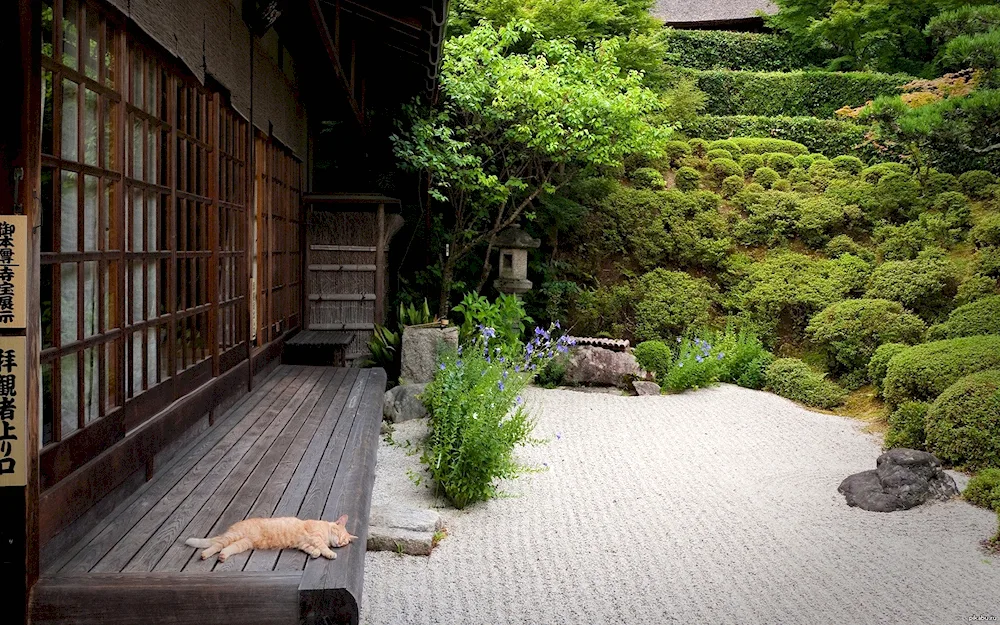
(313, 537)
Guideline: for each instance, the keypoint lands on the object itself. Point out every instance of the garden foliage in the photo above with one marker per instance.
(717, 49)
(963, 423)
(979, 317)
(923, 371)
(794, 379)
(984, 489)
(906, 426)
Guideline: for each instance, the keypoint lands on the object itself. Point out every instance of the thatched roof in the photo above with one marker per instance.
(694, 12)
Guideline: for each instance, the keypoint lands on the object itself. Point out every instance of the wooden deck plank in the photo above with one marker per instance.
(285, 478)
(260, 492)
(315, 499)
(140, 599)
(332, 588)
(222, 484)
(224, 454)
(103, 537)
(305, 473)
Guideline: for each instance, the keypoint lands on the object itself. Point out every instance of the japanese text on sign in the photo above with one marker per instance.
(13, 281)
(13, 423)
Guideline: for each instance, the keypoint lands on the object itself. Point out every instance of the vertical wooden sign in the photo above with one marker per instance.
(13, 415)
(13, 271)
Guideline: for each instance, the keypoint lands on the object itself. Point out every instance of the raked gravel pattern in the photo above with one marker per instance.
(714, 506)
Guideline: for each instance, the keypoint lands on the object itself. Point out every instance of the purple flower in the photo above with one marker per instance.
(441, 366)
(500, 385)
(557, 324)
(680, 364)
(539, 331)
(458, 363)
(721, 354)
(530, 349)
(459, 350)
(678, 339)
(505, 374)
(517, 368)
(558, 436)
(545, 464)
(699, 358)
(518, 400)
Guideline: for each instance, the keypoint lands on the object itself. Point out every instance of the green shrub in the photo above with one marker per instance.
(906, 426)
(875, 173)
(819, 219)
(939, 182)
(793, 379)
(850, 164)
(984, 489)
(986, 233)
(878, 365)
(553, 372)
(797, 174)
(753, 187)
(782, 185)
(732, 147)
(897, 196)
(716, 49)
(965, 20)
(761, 145)
(718, 153)
(655, 357)
(987, 261)
(667, 302)
(772, 220)
(647, 178)
(477, 418)
(923, 371)
(980, 51)
(687, 179)
(843, 244)
(963, 423)
(975, 288)
(779, 162)
(814, 93)
(676, 151)
(803, 161)
(904, 242)
(751, 163)
(699, 147)
(955, 209)
(732, 185)
(744, 359)
(765, 177)
(925, 285)
(505, 314)
(722, 168)
(848, 332)
(827, 136)
(976, 184)
(979, 317)
(783, 291)
(697, 365)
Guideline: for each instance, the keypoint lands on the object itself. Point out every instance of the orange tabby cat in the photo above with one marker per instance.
(313, 537)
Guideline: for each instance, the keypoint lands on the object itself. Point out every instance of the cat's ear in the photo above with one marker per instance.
(342, 521)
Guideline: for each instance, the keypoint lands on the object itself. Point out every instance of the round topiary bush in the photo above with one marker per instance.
(879, 363)
(848, 332)
(765, 177)
(984, 489)
(979, 317)
(975, 288)
(687, 179)
(722, 168)
(732, 185)
(849, 164)
(781, 185)
(803, 161)
(793, 379)
(874, 173)
(718, 153)
(751, 163)
(670, 302)
(896, 197)
(955, 208)
(923, 371)
(798, 175)
(647, 178)
(728, 145)
(986, 233)
(843, 244)
(655, 357)
(963, 423)
(925, 285)
(939, 182)
(976, 183)
(779, 162)
(819, 218)
(699, 147)
(676, 151)
(906, 426)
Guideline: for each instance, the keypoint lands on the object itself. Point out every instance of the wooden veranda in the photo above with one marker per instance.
(302, 444)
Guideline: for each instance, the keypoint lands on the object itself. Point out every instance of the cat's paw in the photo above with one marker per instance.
(222, 557)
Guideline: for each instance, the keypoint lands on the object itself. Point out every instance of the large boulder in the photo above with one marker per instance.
(421, 349)
(596, 366)
(401, 403)
(902, 479)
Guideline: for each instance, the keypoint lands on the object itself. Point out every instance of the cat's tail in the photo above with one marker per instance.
(199, 543)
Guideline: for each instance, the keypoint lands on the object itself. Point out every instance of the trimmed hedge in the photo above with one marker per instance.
(878, 365)
(793, 379)
(925, 285)
(923, 372)
(984, 489)
(848, 332)
(655, 357)
(814, 93)
(832, 137)
(906, 426)
(715, 49)
(979, 317)
(963, 424)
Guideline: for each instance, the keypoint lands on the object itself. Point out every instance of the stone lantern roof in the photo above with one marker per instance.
(517, 239)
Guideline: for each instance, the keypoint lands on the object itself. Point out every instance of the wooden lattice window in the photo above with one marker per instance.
(81, 241)
(233, 154)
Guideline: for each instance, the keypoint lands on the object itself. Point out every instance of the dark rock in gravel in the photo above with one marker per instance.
(902, 479)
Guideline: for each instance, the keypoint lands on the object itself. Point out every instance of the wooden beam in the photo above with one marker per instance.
(191, 598)
(380, 265)
(343, 248)
(345, 297)
(342, 268)
(342, 326)
(334, 55)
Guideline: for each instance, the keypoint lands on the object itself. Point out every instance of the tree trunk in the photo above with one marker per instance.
(447, 274)
(487, 266)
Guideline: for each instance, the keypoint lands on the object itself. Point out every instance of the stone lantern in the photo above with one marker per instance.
(514, 244)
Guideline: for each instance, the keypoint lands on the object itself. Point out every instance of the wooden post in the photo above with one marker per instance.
(380, 266)
(20, 181)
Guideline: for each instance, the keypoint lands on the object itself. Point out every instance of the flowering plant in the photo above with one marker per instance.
(477, 412)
